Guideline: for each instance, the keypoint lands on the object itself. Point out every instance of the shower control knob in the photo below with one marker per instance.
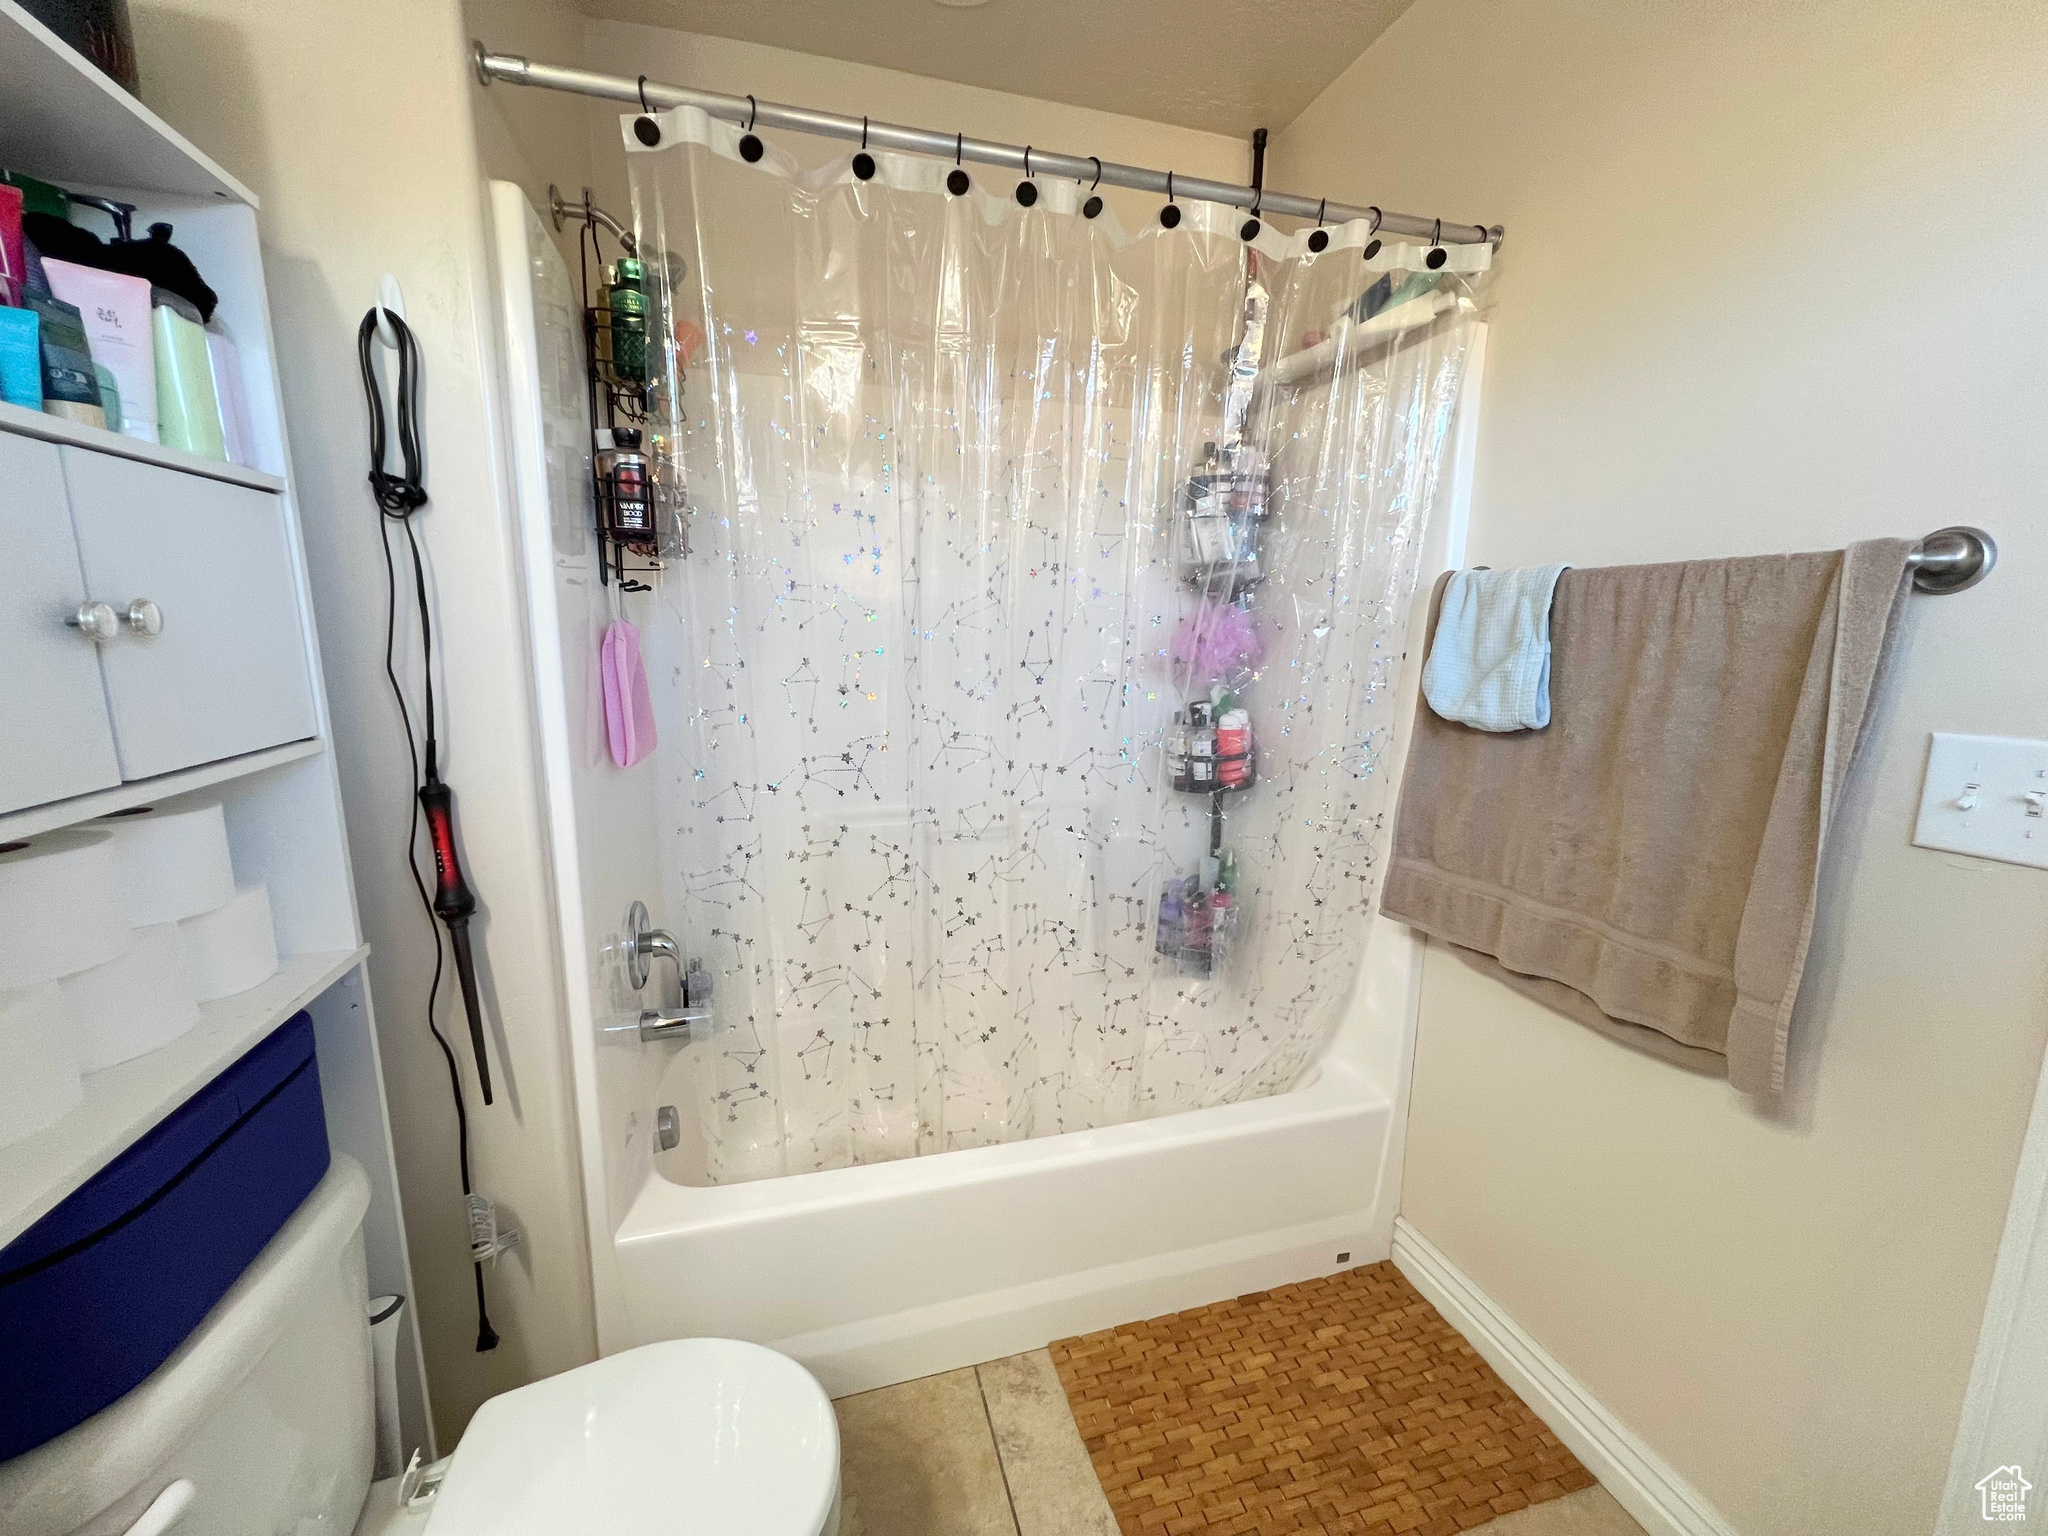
(96, 622)
(144, 617)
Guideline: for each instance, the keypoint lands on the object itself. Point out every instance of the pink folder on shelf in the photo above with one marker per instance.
(13, 253)
(628, 707)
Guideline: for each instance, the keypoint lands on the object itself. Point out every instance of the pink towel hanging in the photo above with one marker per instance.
(628, 707)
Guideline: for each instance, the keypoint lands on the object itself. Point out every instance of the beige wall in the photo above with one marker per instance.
(351, 120)
(1774, 279)
(535, 139)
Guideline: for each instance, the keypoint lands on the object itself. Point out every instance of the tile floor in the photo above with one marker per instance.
(986, 1451)
(992, 1450)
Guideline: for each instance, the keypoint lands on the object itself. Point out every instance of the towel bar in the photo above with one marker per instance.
(1951, 559)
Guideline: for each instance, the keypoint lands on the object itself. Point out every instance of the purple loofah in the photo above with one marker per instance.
(1217, 640)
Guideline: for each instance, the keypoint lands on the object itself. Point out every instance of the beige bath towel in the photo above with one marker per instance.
(1648, 863)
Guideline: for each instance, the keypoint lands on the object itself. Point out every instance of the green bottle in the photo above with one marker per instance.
(629, 320)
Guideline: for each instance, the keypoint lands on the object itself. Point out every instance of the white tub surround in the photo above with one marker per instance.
(877, 1274)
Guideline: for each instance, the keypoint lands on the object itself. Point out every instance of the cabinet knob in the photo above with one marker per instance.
(97, 622)
(144, 617)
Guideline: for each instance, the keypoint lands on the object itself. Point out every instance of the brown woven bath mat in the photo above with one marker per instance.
(1345, 1404)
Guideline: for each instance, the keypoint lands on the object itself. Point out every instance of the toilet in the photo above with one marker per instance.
(262, 1422)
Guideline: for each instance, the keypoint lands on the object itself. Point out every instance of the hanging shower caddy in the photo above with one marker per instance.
(1219, 530)
(1221, 520)
(634, 498)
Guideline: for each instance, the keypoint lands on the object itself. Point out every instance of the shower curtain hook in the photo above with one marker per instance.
(1372, 236)
(956, 179)
(1437, 254)
(751, 148)
(863, 162)
(1169, 216)
(645, 128)
(1093, 206)
(1249, 230)
(1027, 189)
(1319, 237)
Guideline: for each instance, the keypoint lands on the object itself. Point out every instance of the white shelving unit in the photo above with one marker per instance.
(63, 121)
(23, 422)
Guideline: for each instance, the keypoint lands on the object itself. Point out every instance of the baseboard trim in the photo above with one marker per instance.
(1661, 1501)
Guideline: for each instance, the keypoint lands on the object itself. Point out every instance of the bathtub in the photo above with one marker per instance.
(876, 1274)
(888, 1271)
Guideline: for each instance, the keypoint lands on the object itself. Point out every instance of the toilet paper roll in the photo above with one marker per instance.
(131, 1004)
(60, 907)
(174, 861)
(38, 1071)
(231, 948)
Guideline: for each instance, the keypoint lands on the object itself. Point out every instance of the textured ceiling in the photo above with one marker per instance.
(1225, 65)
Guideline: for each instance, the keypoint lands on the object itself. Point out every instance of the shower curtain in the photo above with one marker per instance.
(1001, 523)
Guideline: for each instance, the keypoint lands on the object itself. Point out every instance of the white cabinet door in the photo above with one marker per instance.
(54, 740)
(227, 673)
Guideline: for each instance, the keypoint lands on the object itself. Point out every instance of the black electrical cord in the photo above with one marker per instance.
(398, 497)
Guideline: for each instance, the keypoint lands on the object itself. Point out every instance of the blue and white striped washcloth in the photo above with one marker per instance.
(1490, 665)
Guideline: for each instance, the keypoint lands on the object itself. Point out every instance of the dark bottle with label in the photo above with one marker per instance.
(624, 468)
(1201, 747)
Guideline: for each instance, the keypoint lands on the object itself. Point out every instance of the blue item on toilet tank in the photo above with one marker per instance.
(104, 1289)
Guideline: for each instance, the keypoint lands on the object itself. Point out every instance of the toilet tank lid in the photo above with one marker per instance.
(691, 1437)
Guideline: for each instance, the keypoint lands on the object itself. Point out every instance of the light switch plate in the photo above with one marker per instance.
(1987, 796)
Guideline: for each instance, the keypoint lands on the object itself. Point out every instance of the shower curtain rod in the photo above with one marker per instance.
(643, 92)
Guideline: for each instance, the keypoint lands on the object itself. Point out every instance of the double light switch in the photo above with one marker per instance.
(1988, 796)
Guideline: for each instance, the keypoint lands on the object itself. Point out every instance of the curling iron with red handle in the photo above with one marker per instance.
(454, 902)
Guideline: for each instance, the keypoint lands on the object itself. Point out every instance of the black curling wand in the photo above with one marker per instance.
(399, 496)
(454, 902)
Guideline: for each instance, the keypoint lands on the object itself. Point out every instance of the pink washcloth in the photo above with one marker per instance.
(628, 707)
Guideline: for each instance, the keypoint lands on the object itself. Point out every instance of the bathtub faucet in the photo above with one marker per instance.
(644, 944)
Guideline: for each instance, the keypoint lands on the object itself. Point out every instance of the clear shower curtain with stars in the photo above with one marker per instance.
(1026, 698)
